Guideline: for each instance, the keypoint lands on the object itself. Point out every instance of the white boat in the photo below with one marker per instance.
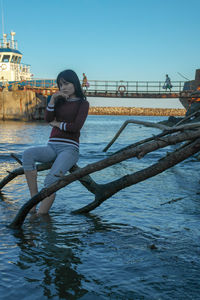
(11, 68)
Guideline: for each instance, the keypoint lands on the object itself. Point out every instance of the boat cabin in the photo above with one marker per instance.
(11, 68)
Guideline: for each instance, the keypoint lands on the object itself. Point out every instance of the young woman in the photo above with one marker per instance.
(66, 113)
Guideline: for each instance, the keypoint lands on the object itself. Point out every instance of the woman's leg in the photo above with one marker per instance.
(31, 178)
(66, 158)
(46, 204)
(30, 157)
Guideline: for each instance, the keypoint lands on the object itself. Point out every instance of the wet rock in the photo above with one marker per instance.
(153, 247)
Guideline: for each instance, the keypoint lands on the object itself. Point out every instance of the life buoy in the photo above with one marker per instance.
(3, 67)
(122, 89)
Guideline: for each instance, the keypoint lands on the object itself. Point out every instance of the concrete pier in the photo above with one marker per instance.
(20, 105)
(26, 105)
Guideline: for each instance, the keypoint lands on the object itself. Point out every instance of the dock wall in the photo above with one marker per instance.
(19, 105)
(26, 105)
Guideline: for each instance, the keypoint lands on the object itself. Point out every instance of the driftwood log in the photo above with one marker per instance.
(105, 191)
(156, 125)
(85, 181)
(147, 124)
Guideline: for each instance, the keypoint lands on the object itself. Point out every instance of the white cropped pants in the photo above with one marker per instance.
(63, 155)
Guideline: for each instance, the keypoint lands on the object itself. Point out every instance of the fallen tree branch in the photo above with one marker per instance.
(20, 171)
(46, 166)
(173, 200)
(91, 168)
(16, 158)
(115, 186)
(165, 128)
(148, 124)
(159, 136)
(185, 127)
(187, 118)
(86, 181)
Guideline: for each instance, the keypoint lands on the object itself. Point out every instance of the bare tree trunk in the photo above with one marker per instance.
(148, 124)
(20, 171)
(86, 181)
(187, 118)
(113, 187)
(166, 129)
(138, 151)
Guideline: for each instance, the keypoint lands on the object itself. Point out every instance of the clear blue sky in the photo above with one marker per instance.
(107, 39)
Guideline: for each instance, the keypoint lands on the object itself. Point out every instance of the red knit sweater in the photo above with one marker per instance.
(72, 115)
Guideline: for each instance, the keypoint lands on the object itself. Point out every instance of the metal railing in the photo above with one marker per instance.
(105, 86)
(134, 86)
(8, 43)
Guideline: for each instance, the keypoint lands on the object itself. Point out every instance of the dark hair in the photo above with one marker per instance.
(71, 76)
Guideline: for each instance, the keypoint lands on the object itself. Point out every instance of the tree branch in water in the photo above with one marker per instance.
(103, 192)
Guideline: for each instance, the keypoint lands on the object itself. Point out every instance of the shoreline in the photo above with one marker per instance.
(136, 111)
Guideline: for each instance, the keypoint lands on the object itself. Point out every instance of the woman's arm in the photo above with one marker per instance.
(80, 118)
(50, 109)
(78, 122)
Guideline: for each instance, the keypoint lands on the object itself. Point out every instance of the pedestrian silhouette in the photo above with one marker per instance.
(167, 84)
(85, 82)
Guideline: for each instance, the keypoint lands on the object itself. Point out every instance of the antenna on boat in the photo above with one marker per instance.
(2, 17)
(12, 38)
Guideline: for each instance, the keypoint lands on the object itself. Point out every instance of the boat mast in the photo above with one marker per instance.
(2, 17)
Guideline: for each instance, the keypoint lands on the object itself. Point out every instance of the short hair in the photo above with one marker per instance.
(71, 76)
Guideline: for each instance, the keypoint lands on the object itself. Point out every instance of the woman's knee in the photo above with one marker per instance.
(28, 160)
(50, 179)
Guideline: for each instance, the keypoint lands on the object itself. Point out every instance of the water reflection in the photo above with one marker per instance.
(54, 259)
(12, 132)
(18, 134)
(2, 196)
(49, 255)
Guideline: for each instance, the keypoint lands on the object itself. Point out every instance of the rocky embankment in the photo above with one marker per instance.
(136, 111)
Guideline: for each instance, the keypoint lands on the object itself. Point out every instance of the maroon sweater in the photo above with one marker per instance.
(72, 116)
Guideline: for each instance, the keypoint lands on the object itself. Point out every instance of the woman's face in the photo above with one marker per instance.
(67, 87)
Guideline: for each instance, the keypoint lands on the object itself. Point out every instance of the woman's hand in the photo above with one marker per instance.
(55, 124)
(57, 94)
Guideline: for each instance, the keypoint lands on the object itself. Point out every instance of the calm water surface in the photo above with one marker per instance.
(107, 254)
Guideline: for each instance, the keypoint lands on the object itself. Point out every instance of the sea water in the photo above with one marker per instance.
(134, 246)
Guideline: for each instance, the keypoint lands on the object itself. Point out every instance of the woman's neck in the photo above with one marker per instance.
(72, 96)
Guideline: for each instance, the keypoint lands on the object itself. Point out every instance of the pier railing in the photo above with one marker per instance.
(133, 86)
(113, 86)
(106, 88)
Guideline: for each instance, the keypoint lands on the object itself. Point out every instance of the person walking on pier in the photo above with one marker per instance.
(167, 84)
(85, 82)
(66, 113)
